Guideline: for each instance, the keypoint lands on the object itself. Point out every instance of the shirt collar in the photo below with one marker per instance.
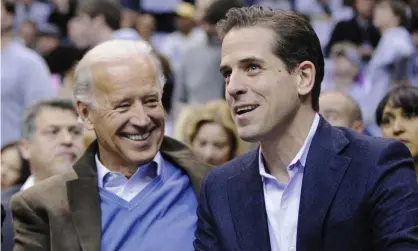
(30, 181)
(301, 156)
(102, 170)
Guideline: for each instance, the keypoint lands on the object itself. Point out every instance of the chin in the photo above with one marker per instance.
(142, 157)
(248, 135)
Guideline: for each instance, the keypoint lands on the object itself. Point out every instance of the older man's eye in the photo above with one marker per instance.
(152, 102)
(123, 105)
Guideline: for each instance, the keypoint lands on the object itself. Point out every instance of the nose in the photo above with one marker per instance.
(398, 127)
(139, 116)
(207, 154)
(66, 138)
(235, 86)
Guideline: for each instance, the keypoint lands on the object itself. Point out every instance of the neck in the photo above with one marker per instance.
(342, 83)
(6, 38)
(279, 150)
(383, 29)
(186, 32)
(110, 163)
(104, 35)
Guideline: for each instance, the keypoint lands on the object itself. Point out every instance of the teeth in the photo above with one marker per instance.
(138, 137)
(246, 108)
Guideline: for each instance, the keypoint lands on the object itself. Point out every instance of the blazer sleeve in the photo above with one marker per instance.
(206, 232)
(31, 229)
(394, 201)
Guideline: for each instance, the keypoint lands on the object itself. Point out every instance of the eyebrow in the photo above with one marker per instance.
(247, 60)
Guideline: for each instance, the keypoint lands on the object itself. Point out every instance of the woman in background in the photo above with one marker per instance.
(14, 169)
(213, 136)
(397, 116)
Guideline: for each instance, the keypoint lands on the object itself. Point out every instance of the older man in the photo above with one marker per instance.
(339, 109)
(133, 189)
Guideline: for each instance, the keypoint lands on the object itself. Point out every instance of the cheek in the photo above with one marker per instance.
(387, 131)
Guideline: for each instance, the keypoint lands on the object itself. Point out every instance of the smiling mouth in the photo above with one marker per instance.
(138, 136)
(245, 109)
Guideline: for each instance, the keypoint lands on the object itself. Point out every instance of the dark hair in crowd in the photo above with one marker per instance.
(29, 125)
(404, 97)
(218, 9)
(10, 7)
(24, 168)
(110, 10)
(295, 39)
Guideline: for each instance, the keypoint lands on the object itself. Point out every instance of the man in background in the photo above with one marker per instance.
(339, 109)
(98, 21)
(198, 80)
(52, 140)
(25, 78)
(187, 35)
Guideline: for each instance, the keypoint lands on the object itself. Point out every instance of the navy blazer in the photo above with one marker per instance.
(359, 193)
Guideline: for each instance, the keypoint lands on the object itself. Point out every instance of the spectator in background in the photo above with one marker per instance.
(27, 32)
(52, 142)
(14, 172)
(33, 10)
(394, 51)
(339, 109)
(346, 68)
(24, 78)
(186, 36)
(62, 12)
(146, 24)
(359, 30)
(14, 168)
(346, 74)
(397, 115)
(48, 39)
(317, 8)
(52, 139)
(212, 134)
(130, 13)
(198, 80)
(98, 21)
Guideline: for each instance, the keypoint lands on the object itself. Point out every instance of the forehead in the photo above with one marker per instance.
(390, 109)
(51, 116)
(248, 42)
(132, 75)
(211, 131)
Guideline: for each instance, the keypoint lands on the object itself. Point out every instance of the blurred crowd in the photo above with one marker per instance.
(370, 83)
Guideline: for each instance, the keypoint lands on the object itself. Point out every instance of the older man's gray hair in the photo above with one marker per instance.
(106, 52)
(32, 112)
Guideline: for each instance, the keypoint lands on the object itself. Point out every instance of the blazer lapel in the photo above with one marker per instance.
(323, 173)
(183, 157)
(246, 200)
(84, 201)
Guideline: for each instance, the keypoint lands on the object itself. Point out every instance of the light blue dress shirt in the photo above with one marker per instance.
(282, 200)
(117, 183)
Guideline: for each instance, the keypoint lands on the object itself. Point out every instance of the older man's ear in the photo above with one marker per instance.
(84, 115)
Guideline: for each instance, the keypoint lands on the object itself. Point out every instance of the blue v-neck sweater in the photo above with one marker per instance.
(162, 217)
